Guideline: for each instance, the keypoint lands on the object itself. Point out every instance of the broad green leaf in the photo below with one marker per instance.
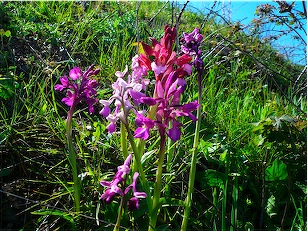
(258, 140)
(271, 206)
(7, 33)
(223, 156)
(262, 125)
(5, 172)
(211, 178)
(278, 171)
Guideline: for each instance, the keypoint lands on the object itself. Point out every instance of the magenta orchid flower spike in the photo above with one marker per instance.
(169, 71)
(79, 87)
(168, 109)
(190, 45)
(116, 186)
(164, 57)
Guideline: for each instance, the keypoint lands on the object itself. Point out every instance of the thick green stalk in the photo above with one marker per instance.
(234, 205)
(169, 155)
(215, 206)
(137, 156)
(124, 141)
(72, 158)
(192, 173)
(224, 207)
(117, 226)
(224, 197)
(158, 184)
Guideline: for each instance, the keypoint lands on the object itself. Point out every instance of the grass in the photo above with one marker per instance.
(246, 92)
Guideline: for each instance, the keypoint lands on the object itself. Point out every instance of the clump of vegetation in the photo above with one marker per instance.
(243, 168)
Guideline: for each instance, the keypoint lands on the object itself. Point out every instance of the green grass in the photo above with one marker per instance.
(243, 89)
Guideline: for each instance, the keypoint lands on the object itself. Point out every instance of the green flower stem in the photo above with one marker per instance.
(72, 158)
(234, 205)
(169, 155)
(117, 226)
(192, 173)
(137, 155)
(158, 184)
(224, 196)
(215, 205)
(124, 141)
(153, 109)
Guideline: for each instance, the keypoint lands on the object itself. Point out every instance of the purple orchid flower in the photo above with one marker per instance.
(144, 125)
(123, 92)
(117, 184)
(168, 109)
(190, 45)
(78, 91)
(133, 203)
(191, 42)
(113, 186)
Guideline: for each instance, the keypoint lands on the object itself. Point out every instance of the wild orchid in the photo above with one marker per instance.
(116, 187)
(123, 92)
(79, 88)
(165, 108)
(168, 109)
(190, 45)
(127, 91)
(164, 57)
(169, 71)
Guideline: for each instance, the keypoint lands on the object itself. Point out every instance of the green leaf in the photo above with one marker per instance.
(223, 156)
(258, 140)
(44, 107)
(5, 172)
(249, 226)
(7, 33)
(211, 178)
(271, 206)
(278, 171)
(263, 125)
(7, 87)
(58, 213)
(3, 136)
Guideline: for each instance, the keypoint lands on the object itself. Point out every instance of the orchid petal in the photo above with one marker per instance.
(59, 87)
(120, 74)
(111, 128)
(64, 80)
(105, 111)
(174, 133)
(142, 132)
(75, 73)
(148, 100)
(140, 194)
(158, 69)
(133, 204)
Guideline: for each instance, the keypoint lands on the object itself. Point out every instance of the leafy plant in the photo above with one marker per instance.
(250, 160)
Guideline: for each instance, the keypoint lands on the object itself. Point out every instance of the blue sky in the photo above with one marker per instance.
(240, 10)
(243, 12)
